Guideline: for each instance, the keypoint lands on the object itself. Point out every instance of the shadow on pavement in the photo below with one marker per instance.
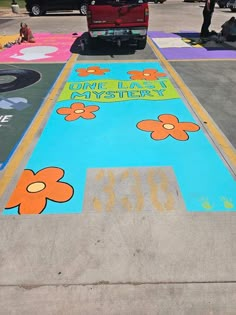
(84, 46)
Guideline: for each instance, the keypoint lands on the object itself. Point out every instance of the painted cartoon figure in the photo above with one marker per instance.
(26, 34)
(35, 53)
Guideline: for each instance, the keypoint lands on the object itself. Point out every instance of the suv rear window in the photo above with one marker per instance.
(116, 2)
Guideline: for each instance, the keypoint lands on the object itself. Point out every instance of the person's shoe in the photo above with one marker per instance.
(202, 40)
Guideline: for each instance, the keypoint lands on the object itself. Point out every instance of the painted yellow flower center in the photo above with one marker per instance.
(168, 126)
(79, 111)
(91, 71)
(146, 74)
(36, 187)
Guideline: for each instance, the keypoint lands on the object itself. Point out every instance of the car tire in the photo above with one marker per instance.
(83, 9)
(233, 9)
(141, 44)
(36, 10)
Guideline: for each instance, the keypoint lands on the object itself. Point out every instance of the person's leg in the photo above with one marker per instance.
(23, 39)
(206, 23)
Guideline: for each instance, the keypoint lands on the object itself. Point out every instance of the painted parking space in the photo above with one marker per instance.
(23, 90)
(47, 48)
(121, 137)
(183, 46)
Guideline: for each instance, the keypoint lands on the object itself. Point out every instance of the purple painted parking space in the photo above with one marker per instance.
(197, 53)
(155, 34)
(182, 46)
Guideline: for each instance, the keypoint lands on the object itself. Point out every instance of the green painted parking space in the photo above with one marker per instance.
(24, 88)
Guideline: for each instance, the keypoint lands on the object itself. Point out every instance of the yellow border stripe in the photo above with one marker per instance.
(31, 133)
(214, 131)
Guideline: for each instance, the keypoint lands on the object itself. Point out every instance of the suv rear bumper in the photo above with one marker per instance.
(112, 34)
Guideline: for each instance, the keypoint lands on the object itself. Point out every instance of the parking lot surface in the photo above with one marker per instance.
(129, 158)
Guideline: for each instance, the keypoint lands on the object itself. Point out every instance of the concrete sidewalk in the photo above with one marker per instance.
(7, 12)
(112, 264)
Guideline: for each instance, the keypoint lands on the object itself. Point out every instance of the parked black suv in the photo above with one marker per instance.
(232, 5)
(40, 7)
(222, 3)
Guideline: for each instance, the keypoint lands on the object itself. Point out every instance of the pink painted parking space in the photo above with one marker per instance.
(48, 48)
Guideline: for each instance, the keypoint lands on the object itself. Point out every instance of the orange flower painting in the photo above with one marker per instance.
(167, 125)
(147, 74)
(95, 70)
(78, 110)
(34, 189)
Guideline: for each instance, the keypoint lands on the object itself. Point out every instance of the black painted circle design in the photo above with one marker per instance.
(23, 78)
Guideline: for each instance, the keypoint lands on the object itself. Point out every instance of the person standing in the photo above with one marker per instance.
(207, 15)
